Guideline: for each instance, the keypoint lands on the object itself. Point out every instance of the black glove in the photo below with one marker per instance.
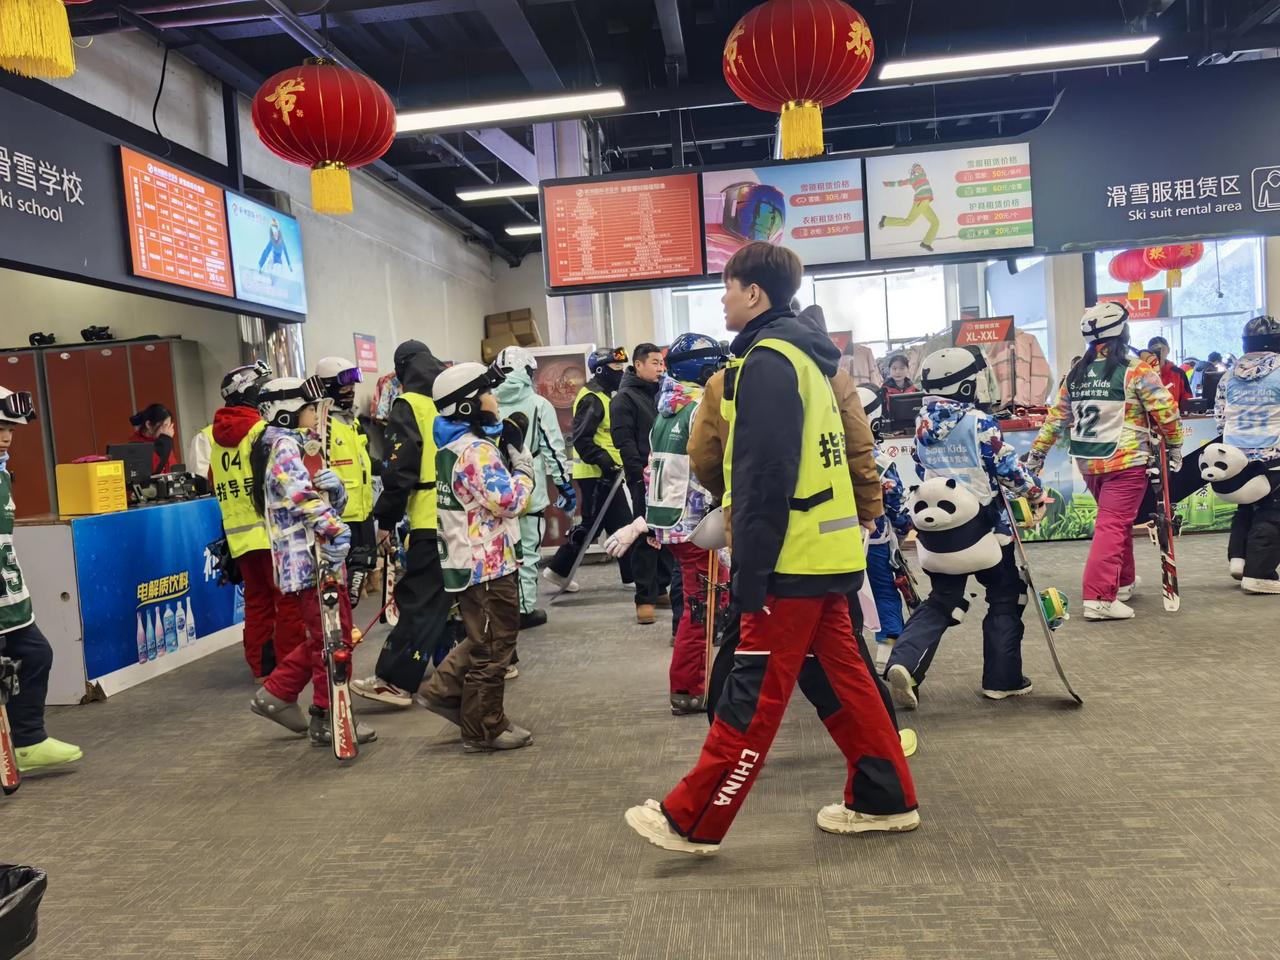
(514, 429)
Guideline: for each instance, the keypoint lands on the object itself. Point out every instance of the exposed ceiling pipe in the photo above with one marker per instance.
(453, 151)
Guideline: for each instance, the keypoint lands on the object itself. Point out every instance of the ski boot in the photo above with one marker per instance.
(320, 735)
(287, 714)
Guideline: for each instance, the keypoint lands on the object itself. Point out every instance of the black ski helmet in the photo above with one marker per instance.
(1262, 335)
(599, 364)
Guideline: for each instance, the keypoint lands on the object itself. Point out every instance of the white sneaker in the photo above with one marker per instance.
(837, 818)
(1129, 590)
(651, 823)
(559, 582)
(1104, 610)
(902, 687)
(1006, 694)
(1235, 567)
(372, 688)
(1256, 585)
(512, 672)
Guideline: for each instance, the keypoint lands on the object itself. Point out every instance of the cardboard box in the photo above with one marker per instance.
(518, 322)
(85, 488)
(525, 332)
(490, 347)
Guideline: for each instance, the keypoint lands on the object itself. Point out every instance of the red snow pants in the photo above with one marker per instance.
(689, 656)
(299, 615)
(765, 667)
(261, 597)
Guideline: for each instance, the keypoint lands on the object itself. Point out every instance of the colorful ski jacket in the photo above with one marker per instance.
(675, 398)
(892, 492)
(1000, 464)
(919, 184)
(1248, 406)
(479, 506)
(296, 513)
(1146, 400)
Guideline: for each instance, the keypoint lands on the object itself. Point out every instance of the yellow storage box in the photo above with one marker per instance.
(91, 487)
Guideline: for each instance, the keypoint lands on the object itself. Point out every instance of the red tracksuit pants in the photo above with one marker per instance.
(689, 656)
(765, 667)
(261, 598)
(299, 620)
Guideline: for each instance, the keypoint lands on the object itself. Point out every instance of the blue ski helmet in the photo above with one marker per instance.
(694, 357)
(604, 357)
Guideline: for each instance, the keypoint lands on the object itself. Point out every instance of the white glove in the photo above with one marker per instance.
(521, 461)
(621, 541)
(1034, 462)
(1175, 460)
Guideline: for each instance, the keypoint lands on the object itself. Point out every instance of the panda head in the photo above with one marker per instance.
(942, 504)
(1220, 462)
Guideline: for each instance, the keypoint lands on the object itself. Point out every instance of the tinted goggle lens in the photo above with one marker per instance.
(349, 377)
(17, 406)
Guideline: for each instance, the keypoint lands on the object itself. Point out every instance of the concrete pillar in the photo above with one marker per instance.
(1270, 275)
(1064, 303)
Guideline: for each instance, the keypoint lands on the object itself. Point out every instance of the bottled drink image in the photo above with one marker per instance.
(151, 637)
(170, 630)
(160, 646)
(142, 641)
(191, 623)
(180, 625)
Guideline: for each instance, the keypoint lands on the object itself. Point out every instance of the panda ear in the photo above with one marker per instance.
(951, 483)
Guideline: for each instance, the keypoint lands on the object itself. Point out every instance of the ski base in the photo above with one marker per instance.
(10, 777)
(337, 657)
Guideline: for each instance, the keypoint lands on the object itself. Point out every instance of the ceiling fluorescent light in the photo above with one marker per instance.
(525, 230)
(508, 111)
(1025, 57)
(499, 192)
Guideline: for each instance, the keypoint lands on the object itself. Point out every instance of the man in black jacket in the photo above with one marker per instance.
(408, 487)
(596, 467)
(632, 412)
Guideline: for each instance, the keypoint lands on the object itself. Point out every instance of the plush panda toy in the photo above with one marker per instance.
(1234, 477)
(953, 533)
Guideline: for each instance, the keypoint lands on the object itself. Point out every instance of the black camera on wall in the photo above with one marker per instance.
(38, 339)
(96, 334)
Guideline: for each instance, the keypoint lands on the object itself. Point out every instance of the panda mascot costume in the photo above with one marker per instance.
(963, 530)
(1245, 468)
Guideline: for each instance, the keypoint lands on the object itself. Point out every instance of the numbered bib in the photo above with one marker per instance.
(668, 489)
(1097, 412)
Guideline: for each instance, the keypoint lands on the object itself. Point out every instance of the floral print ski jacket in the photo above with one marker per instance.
(296, 513)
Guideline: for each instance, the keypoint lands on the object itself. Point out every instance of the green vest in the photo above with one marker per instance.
(15, 601)
(348, 457)
(823, 536)
(233, 486)
(1097, 412)
(668, 494)
(604, 438)
(422, 501)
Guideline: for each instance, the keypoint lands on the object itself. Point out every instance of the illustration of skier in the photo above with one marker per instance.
(921, 205)
(275, 250)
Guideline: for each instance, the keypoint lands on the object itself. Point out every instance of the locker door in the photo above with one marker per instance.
(107, 369)
(27, 454)
(152, 368)
(64, 373)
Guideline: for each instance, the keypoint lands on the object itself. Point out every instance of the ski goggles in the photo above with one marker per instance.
(17, 407)
(311, 390)
(243, 378)
(616, 355)
(349, 377)
(753, 211)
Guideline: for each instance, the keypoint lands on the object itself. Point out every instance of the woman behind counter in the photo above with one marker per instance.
(154, 425)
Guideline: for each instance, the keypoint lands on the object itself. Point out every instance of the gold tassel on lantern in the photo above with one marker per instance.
(330, 187)
(35, 39)
(1135, 290)
(801, 129)
(1173, 278)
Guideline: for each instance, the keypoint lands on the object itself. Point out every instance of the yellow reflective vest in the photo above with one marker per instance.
(823, 536)
(603, 437)
(347, 454)
(233, 486)
(422, 500)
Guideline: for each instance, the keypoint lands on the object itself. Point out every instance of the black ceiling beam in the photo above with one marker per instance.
(508, 21)
(1263, 15)
(672, 34)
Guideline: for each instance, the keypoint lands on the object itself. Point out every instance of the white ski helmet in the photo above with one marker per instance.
(281, 400)
(240, 386)
(873, 404)
(337, 374)
(1104, 320)
(16, 407)
(456, 389)
(952, 373)
(516, 358)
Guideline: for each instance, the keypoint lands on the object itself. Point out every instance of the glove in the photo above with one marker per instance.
(1175, 460)
(327, 481)
(386, 542)
(335, 551)
(568, 499)
(513, 430)
(521, 462)
(620, 542)
(1033, 461)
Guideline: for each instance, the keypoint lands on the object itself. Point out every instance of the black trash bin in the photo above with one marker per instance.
(21, 890)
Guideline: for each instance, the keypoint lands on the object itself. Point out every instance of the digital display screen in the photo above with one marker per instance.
(266, 254)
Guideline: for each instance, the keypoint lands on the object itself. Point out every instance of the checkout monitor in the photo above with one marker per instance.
(901, 412)
(137, 459)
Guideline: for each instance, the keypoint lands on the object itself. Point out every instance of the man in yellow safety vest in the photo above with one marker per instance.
(236, 426)
(798, 554)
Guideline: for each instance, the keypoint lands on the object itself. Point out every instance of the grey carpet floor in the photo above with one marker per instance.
(1144, 825)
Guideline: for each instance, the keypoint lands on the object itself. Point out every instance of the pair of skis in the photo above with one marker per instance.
(10, 777)
(1163, 526)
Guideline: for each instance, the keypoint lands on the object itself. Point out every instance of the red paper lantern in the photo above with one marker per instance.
(1173, 259)
(1131, 267)
(795, 57)
(328, 118)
